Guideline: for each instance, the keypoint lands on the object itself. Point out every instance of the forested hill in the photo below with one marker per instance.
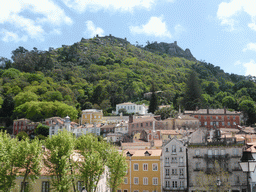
(102, 72)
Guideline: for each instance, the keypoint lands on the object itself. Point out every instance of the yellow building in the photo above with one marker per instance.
(144, 171)
(91, 116)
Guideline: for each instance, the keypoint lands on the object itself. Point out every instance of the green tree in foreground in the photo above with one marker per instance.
(117, 169)
(29, 160)
(8, 161)
(60, 148)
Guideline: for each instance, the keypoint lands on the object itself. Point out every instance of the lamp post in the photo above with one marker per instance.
(247, 164)
(83, 189)
(218, 182)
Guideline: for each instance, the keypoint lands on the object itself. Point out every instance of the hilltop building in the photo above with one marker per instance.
(132, 108)
(219, 118)
(91, 116)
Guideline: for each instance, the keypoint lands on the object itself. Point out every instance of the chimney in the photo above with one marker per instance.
(130, 118)
(207, 110)
(225, 111)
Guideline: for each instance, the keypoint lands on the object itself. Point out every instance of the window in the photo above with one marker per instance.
(166, 149)
(145, 167)
(228, 117)
(167, 160)
(135, 167)
(174, 184)
(119, 190)
(235, 152)
(200, 123)
(146, 124)
(199, 117)
(217, 123)
(167, 184)
(25, 186)
(137, 125)
(167, 172)
(125, 190)
(216, 152)
(198, 165)
(174, 171)
(125, 181)
(181, 149)
(45, 186)
(211, 123)
(154, 167)
(145, 181)
(181, 172)
(150, 123)
(181, 160)
(155, 181)
(174, 159)
(217, 117)
(141, 124)
(181, 184)
(210, 153)
(222, 123)
(174, 148)
(205, 123)
(234, 117)
(234, 123)
(223, 152)
(136, 180)
(228, 123)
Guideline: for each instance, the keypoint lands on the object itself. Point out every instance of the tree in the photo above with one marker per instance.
(153, 105)
(229, 102)
(249, 109)
(60, 148)
(29, 160)
(24, 97)
(22, 135)
(117, 169)
(166, 112)
(95, 155)
(42, 130)
(8, 161)
(193, 93)
(123, 111)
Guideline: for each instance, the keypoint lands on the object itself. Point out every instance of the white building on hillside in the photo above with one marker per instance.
(132, 108)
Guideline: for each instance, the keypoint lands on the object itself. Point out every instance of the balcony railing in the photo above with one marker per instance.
(173, 188)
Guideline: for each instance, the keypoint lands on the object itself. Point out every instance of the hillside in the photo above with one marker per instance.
(103, 71)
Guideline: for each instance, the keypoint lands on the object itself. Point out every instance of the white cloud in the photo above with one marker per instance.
(250, 46)
(250, 68)
(46, 12)
(155, 27)
(92, 30)
(9, 36)
(227, 11)
(122, 5)
(238, 63)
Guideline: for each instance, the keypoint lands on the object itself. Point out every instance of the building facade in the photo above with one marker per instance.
(213, 163)
(132, 108)
(91, 116)
(144, 171)
(24, 125)
(219, 118)
(174, 172)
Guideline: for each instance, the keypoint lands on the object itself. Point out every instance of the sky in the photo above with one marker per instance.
(220, 32)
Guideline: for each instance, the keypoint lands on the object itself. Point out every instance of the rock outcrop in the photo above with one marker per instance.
(170, 48)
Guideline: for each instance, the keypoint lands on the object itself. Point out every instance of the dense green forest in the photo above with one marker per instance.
(103, 71)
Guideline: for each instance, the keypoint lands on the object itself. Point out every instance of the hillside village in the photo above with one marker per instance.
(175, 123)
(170, 154)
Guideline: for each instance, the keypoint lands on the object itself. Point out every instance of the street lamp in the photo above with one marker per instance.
(83, 189)
(247, 164)
(218, 182)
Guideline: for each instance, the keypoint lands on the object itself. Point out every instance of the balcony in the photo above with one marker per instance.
(167, 177)
(167, 164)
(237, 169)
(197, 156)
(174, 188)
(198, 169)
(217, 157)
(181, 165)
